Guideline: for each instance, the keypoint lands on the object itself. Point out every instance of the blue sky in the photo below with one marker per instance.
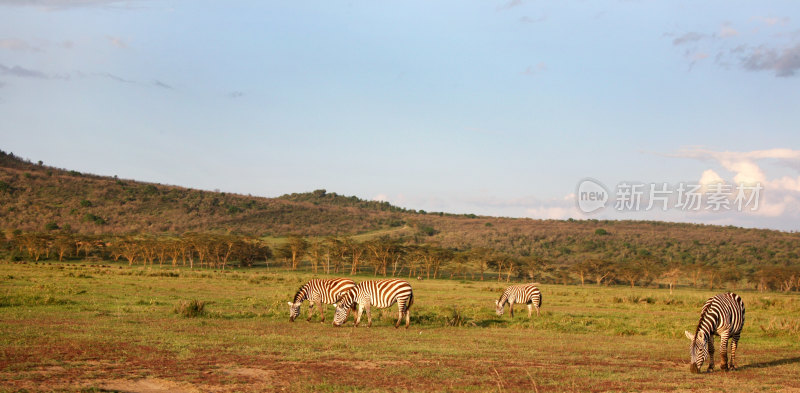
(496, 108)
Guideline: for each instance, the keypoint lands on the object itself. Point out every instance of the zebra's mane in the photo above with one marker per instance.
(503, 298)
(301, 293)
(700, 323)
(347, 298)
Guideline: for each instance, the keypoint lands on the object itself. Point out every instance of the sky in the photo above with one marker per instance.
(499, 108)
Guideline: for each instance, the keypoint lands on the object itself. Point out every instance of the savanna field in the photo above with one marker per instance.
(111, 327)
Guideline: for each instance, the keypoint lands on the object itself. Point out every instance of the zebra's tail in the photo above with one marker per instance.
(540, 299)
(410, 301)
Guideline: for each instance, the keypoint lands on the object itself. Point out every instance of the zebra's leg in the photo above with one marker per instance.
(369, 314)
(734, 343)
(322, 311)
(710, 344)
(537, 311)
(400, 314)
(358, 315)
(408, 318)
(530, 311)
(310, 310)
(511, 309)
(723, 347)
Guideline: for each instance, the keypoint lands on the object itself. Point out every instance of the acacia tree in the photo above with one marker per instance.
(479, 256)
(64, 245)
(297, 246)
(316, 251)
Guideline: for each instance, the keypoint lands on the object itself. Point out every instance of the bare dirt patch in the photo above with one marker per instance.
(147, 385)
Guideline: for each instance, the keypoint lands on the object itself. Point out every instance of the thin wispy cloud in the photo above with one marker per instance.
(17, 45)
(784, 62)
(115, 78)
(531, 20)
(688, 37)
(49, 5)
(509, 5)
(535, 69)
(22, 72)
(162, 85)
(727, 31)
(771, 20)
(735, 48)
(118, 42)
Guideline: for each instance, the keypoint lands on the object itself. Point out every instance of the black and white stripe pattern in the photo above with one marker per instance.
(524, 294)
(379, 294)
(319, 291)
(722, 315)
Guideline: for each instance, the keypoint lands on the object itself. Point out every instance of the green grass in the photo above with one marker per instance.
(76, 327)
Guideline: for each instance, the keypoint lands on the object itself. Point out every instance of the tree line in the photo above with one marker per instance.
(398, 257)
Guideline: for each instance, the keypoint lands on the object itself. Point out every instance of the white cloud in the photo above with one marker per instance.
(710, 177)
(381, 198)
(727, 31)
(771, 21)
(779, 197)
(551, 213)
(118, 42)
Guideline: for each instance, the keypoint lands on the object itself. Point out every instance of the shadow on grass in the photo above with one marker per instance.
(491, 322)
(779, 362)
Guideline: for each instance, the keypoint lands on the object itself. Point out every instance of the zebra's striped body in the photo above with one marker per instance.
(379, 294)
(524, 294)
(319, 291)
(722, 315)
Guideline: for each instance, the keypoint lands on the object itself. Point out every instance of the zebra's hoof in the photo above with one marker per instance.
(723, 367)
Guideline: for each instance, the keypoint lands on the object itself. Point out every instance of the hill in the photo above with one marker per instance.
(38, 198)
(35, 197)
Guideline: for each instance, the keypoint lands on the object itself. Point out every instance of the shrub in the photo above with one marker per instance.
(51, 226)
(190, 309)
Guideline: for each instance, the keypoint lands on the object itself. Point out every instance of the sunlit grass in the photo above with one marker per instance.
(121, 322)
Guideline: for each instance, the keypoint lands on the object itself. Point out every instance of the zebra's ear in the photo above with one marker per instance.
(690, 336)
(290, 303)
(496, 302)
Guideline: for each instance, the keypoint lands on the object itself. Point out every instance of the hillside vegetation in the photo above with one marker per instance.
(41, 207)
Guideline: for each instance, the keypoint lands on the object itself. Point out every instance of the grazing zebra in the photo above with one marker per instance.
(318, 291)
(722, 315)
(524, 294)
(380, 294)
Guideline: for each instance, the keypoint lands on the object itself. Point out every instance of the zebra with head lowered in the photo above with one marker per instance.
(318, 291)
(379, 294)
(722, 315)
(524, 294)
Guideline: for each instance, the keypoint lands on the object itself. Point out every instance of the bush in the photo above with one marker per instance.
(96, 219)
(190, 309)
(51, 226)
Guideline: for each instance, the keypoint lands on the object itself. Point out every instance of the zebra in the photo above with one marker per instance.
(525, 293)
(722, 315)
(318, 291)
(380, 294)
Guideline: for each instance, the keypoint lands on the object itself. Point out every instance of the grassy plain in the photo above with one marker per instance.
(89, 327)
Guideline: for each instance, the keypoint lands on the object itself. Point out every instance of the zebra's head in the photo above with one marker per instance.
(341, 314)
(344, 303)
(498, 308)
(294, 310)
(698, 351)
